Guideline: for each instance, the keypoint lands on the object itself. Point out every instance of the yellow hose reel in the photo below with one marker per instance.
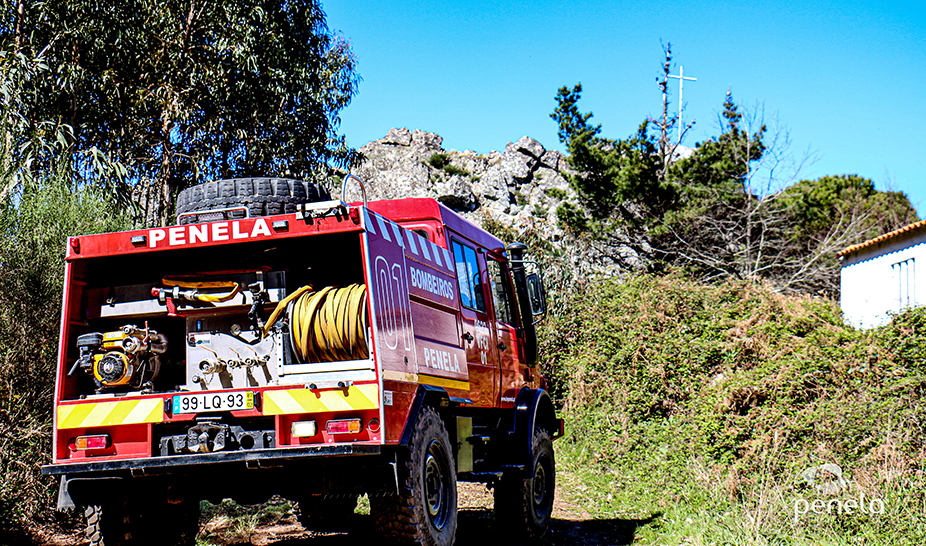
(327, 325)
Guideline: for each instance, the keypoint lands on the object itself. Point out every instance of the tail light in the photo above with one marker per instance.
(85, 443)
(344, 426)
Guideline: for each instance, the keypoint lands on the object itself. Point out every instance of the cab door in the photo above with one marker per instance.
(512, 370)
(478, 326)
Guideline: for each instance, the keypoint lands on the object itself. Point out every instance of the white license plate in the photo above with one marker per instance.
(214, 401)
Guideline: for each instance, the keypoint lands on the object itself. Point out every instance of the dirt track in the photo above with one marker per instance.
(571, 525)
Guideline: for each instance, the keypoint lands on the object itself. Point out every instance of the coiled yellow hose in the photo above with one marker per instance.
(328, 325)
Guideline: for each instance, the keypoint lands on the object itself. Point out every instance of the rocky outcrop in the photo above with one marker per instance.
(520, 187)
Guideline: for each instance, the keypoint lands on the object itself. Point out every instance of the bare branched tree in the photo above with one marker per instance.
(744, 208)
(665, 148)
(734, 208)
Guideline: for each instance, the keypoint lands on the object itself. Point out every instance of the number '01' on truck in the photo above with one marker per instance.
(277, 341)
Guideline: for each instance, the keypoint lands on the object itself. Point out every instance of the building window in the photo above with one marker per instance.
(905, 273)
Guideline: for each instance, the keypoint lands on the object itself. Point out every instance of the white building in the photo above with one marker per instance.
(880, 276)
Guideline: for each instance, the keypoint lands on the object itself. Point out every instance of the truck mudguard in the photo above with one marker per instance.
(533, 410)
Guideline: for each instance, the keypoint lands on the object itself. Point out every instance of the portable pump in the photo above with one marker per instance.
(123, 359)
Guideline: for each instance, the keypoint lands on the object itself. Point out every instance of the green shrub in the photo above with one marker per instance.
(692, 400)
(556, 193)
(34, 226)
(439, 160)
(453, 170)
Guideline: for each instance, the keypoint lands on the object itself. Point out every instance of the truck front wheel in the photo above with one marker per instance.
(143, 524)
(425, 510)
(524, 507)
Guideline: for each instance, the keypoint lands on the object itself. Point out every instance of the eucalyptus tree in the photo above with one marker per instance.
(166, 93)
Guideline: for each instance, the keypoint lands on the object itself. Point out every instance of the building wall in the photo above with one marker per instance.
(883, 279)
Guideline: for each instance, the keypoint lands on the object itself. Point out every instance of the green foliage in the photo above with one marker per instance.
(28, 145)
(814, 206)
(719, 169)
(454, 170)
(442, 161)
(610, 171)
(556, 193)
(705, 213)
(572, 218)
(696, 400)
(439, 160)
(183, 92)
(34, 228)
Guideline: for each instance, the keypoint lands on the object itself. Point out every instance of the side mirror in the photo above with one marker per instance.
(536, 295)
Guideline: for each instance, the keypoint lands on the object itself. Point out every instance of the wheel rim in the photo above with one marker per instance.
(540, 489)
(435, 485)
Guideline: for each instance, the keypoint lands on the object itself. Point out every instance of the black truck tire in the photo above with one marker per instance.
(143, 524)
(326, 513)
(523, 507)
(262, 196)
(425, 510)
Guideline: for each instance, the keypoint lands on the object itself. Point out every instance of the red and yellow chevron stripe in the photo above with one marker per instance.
(122, 412)
(355, 397)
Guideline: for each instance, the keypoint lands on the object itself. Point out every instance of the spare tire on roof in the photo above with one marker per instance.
(261, 196)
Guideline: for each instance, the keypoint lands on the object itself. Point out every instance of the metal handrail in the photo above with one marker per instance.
(363, 189)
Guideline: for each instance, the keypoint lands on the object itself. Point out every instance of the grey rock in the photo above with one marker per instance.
(401, 137)
(528, 146)
(518, 188)
(456, 193)
(429, 141)
(553, 160)
(516, 164)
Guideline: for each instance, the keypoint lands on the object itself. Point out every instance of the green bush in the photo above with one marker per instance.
(690, 400)
(556, 193)
(439, 160)
(34, 224)
(442, 162)
(453, 170)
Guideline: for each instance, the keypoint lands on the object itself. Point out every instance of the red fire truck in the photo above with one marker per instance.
(278, 342)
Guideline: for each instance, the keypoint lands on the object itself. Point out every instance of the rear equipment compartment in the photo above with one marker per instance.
(190, 350)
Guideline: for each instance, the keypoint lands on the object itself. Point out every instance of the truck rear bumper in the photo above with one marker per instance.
(256, 458)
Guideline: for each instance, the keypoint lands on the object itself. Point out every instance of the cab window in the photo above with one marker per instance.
(498, 279)
(467, 266)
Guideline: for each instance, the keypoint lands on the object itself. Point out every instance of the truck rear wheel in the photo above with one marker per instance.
(524, 507)
(143, 524)
(261, 196)
(326, 514)
(425, 510)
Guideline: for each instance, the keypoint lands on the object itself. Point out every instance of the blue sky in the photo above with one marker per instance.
(845, 80)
